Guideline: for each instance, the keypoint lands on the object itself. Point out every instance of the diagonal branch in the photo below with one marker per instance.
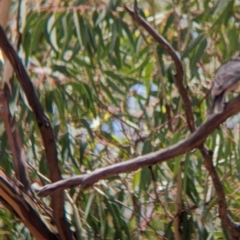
(45, 130)
(19, 158)
(190, 120)
(233, 228)
(194, 141)
(179, 68)
(23, 207)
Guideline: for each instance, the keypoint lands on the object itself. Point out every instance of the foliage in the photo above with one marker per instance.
(109, 91)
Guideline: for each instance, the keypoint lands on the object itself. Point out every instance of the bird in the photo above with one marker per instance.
(226, 80)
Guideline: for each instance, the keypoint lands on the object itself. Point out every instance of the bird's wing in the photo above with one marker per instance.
(227, 77)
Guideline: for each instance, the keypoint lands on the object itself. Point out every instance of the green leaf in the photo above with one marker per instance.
(198, 54)
(189, 48)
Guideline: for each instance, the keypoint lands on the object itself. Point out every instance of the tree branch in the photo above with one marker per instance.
(233, 228)
(179, 68)
(19, 158)
(194, 141)
(45, 130)
(22, 206)
(190, 120)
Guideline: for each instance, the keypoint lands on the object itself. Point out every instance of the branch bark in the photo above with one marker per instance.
(22, 206)
(19, 158)
(179, 68)
(232, 229)
(45, 130)
(194, 141)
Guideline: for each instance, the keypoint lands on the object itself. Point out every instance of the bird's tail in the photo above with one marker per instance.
(218, 103)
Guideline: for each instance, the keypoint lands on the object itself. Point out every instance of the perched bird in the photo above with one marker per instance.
(227, 79)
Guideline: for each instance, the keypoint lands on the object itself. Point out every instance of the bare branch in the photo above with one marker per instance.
(19, 158)
(233, 228)
(45, 130)
(7, 69)
(194, 141)
(23, 207)
(190, 120)
(179, 68)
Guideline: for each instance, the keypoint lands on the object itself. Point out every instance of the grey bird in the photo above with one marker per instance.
(227, 79)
